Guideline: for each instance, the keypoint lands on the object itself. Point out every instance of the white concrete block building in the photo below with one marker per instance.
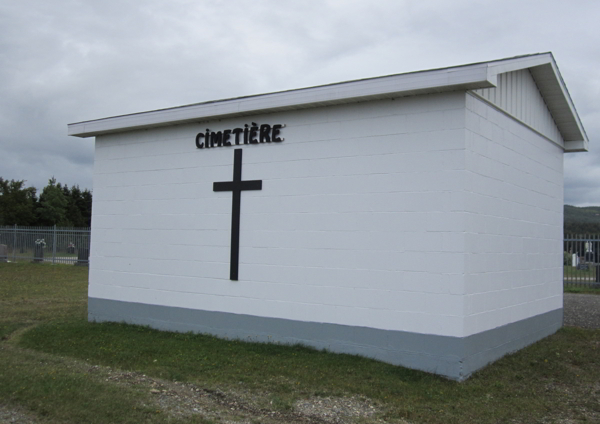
(413, 218)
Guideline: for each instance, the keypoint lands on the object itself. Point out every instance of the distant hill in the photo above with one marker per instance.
(584, 220)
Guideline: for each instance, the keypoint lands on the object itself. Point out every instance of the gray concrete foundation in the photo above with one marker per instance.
(453, 357)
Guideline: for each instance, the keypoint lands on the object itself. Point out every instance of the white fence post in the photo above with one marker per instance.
(15, 244)
(54, 246)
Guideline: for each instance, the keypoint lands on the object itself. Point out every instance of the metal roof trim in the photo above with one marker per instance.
(561, 106)
(465, 77)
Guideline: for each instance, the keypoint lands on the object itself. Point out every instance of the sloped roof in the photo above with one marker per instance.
(542, 66)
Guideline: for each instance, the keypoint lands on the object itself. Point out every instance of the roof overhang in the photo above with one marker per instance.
(467, 77)
(552, 87)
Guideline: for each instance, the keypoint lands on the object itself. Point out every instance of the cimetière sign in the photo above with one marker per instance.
(250, 134)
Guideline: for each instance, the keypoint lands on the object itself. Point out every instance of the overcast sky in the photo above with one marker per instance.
(68, 61)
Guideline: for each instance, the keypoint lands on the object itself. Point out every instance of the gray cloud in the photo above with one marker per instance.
(68, 61)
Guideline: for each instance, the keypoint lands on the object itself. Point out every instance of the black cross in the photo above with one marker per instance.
(236, 186)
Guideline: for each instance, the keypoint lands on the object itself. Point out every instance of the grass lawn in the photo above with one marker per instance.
(582, 289)
(572, 273)
(581, 280)
(59, 368)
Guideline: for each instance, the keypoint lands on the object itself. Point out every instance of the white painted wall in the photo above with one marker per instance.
(434, 214)
(359, 221)
(514, 204)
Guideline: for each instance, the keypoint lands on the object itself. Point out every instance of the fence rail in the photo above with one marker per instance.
(66, 245)
(581, 261)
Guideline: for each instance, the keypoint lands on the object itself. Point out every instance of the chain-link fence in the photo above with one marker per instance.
(65, 245)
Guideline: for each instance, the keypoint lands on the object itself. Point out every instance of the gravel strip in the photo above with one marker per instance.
(183, 400)
(582, 310)
(15, 415)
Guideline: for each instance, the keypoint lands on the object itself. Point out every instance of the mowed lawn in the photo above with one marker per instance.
(56, 367)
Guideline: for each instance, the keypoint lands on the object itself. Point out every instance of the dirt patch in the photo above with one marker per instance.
(14, 415)
(337, 409)
(181, 400)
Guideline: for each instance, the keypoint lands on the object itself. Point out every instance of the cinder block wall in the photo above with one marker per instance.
(514, 232)
(359, 220)
(405, 230)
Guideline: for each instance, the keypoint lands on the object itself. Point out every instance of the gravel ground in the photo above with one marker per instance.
(14, 415)
(240, 405)
(582, 310)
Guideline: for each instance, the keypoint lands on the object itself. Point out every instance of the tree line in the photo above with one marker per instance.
(66, 206)
(582, 220)
(57, 204)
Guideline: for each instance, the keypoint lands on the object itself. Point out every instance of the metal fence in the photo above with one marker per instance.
(62, 245)
(67, 245)
(581, 262)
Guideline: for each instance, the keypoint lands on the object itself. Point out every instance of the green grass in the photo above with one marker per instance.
(580, 281)
(47, 386)
(571, 272)
(48, 343)
(27, 254)
(570, 288)
(33, 293)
